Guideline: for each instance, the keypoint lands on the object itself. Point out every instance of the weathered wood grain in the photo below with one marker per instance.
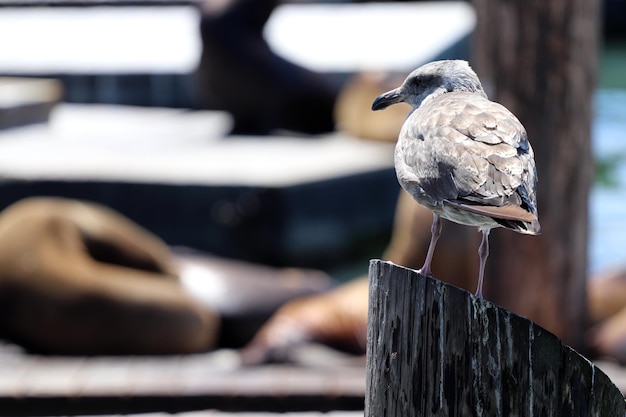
(436, 350)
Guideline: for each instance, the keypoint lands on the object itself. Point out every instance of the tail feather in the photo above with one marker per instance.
(510, 216)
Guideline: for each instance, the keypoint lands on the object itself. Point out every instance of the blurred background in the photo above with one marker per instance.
(101, 77)
(608, 144)
(238, 133)
(106, 75)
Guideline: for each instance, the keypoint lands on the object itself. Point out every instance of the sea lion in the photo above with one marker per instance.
(606, 298)
(238, 72)
(78, 278)
(337, 318)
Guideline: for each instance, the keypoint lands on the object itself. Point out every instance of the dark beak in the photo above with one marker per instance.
(387, 99)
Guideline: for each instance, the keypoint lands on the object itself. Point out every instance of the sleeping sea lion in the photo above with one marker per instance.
(78, 278)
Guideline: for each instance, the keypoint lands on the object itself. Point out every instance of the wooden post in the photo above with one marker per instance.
(436, 350)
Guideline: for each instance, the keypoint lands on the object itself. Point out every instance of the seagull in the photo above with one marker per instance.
(462, 156)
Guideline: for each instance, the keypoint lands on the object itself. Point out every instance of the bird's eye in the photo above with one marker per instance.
(417, 82)
(422, 81)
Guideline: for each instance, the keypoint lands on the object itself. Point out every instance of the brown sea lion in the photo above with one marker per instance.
(78, 278)
(353, 113)
(337, 318)
(606, 295)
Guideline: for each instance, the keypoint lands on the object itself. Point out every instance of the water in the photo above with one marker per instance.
(607, 244)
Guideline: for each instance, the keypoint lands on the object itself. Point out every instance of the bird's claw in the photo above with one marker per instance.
(426, 272)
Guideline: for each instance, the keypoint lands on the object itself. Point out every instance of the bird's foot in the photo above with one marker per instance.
(425, 271)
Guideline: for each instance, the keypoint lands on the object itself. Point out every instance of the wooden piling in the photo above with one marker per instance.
(539, 59)
(436, 350)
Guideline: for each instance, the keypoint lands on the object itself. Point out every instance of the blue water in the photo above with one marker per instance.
(607, 244)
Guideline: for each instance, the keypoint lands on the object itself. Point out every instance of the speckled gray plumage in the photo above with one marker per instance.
(460, 154)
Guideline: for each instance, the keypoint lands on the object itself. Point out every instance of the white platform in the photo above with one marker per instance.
(325, 37)
(147, 145)
(367, 36)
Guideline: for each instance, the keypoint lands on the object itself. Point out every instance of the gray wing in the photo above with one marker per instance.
(467, 150)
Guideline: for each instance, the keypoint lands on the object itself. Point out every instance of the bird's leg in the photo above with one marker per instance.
(435, 232)
(483, 253)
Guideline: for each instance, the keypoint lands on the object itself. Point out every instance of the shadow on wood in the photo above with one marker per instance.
(436, 350)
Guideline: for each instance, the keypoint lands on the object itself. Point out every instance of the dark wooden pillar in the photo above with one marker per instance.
(436, 350)
(539, 59)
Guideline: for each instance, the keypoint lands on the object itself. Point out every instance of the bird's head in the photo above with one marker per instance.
(432, 80)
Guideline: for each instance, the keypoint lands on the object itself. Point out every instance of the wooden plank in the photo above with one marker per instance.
(217, 413)
(49, 385)
(434, 349)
